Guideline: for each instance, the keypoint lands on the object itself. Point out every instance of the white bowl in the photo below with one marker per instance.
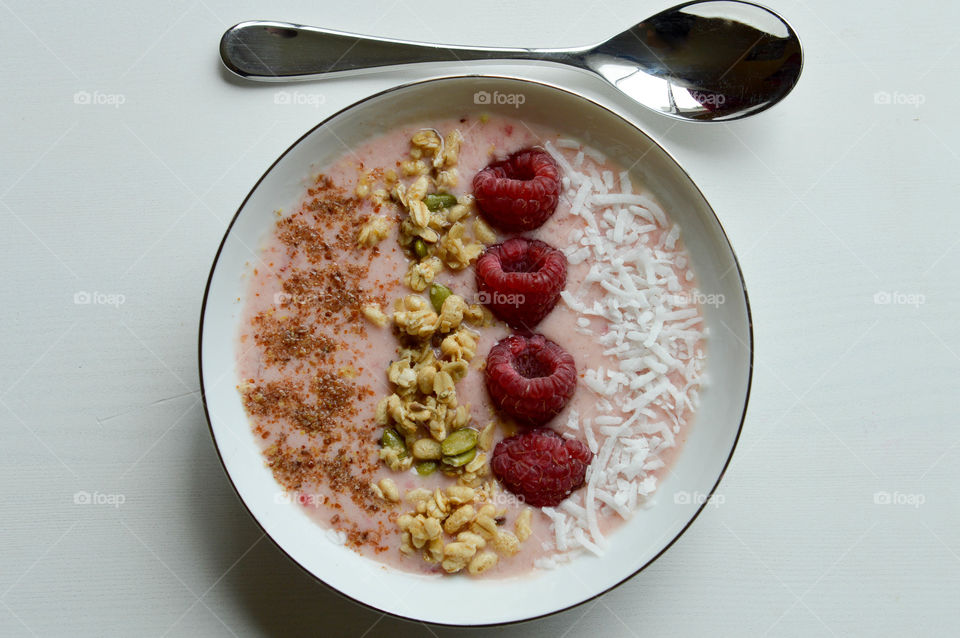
(461, 600)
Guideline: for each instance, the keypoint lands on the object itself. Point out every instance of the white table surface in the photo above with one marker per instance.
(828, 199)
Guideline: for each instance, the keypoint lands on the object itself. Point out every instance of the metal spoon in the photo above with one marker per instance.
(710, 60)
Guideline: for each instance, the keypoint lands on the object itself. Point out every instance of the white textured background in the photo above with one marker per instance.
(829, 198)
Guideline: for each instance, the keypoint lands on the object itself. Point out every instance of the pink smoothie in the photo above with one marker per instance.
(292, 330)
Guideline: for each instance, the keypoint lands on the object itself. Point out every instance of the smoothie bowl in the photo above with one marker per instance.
(472, 360)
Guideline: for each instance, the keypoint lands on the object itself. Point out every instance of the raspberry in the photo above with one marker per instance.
(520, 280)
(541, 466)
(520, 192)
(530, 378)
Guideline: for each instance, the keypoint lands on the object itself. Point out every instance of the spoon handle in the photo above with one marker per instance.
(280, 51)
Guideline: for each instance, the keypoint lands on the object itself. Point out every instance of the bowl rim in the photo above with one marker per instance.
(486, 76)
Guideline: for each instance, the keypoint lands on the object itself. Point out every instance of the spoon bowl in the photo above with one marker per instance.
(713, 60)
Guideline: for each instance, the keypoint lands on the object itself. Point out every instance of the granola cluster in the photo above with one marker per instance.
(422, 417)
(424, 424)
(460, 528)
(437, 229)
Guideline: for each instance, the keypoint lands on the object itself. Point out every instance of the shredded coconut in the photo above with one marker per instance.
(649, 327)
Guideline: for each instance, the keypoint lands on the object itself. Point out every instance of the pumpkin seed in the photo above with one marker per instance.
(425, 468)
(419, 248)
(460, 460)
(439, 294)
(392, 440)
(436, 201)
(459, 442)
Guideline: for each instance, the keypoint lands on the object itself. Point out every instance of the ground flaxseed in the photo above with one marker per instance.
(318, 302)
